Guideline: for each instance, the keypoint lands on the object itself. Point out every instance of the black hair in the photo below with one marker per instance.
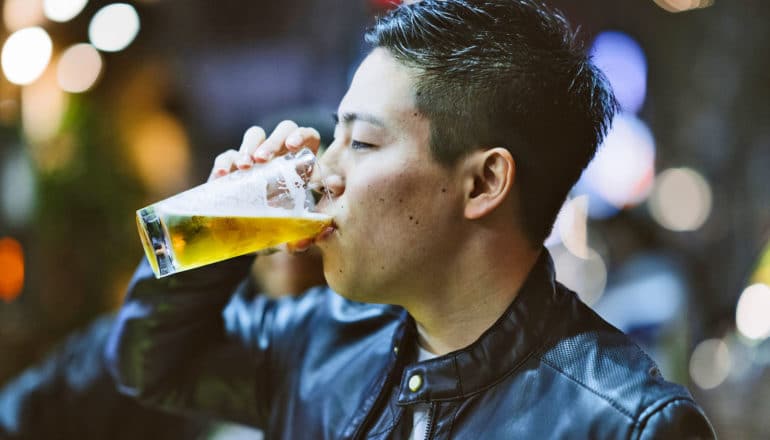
(507, 73)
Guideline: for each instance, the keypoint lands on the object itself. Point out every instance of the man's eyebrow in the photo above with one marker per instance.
(351, 117)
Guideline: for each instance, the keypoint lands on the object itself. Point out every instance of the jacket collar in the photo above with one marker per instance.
(517, 335)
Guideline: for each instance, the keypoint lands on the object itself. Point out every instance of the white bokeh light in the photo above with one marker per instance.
(26, 54)
(752, 316)
(114, 27)
(63, 10)
(79, 68)
(710, 363)
(680, 200)
(586, 276)
(571, 227)
(624, 167)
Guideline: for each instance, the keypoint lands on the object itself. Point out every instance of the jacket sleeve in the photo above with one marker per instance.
(169, 346)
(676, 419)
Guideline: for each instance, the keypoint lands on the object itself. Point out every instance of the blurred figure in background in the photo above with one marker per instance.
(70, 395)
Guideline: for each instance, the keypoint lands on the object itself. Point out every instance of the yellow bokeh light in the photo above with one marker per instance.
(42, 109)
(762, 272)
(79, 67)
(160, 152)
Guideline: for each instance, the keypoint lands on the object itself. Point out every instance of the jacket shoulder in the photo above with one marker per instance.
(603, 361)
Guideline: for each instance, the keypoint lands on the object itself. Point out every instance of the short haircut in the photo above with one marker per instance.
(507, 73)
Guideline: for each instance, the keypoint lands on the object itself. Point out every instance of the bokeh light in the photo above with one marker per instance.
(17, 189)
(621, 174)
(79, 67)
(586, 276)
(752, 316)
(19, 14)
(623, 61)
(680, 200)
(161, 153)
(683, 5)
(26, 54)
(710, 363)
(42, 109)
(12, 263)
(762, 272)
(114, 27)
(63, 10)
(571, 227)
(647, 292)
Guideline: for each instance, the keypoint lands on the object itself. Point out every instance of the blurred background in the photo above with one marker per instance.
(106, 107)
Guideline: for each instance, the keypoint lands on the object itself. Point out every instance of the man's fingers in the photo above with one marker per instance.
(252, 138)
(275, 144)
(255, 148)
(299, 246)
(303, 137)
(224, 163)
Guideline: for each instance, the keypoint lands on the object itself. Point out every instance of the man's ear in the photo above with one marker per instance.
(489, 179)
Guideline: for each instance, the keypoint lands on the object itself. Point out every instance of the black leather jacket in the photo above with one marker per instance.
(323, 367)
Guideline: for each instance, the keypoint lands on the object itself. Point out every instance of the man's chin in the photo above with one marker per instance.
(344, 288)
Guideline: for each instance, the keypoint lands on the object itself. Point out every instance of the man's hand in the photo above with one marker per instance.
(256, 149)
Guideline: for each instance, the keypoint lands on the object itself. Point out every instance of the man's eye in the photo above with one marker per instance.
(356, 145)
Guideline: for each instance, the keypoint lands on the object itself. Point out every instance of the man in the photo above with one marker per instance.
(456, 143)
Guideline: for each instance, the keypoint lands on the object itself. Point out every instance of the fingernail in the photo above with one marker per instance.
(260, 156)
(294, 140)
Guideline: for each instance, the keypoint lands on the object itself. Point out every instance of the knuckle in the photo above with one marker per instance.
(286, 124)
(225, 157)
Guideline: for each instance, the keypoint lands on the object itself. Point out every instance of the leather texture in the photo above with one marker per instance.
(322, 367)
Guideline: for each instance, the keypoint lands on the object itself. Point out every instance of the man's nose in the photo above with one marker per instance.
(326, 178)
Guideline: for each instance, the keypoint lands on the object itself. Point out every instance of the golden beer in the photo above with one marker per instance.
(197, 240)
(242, 212)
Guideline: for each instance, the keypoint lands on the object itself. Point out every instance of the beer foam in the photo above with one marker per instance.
(263, 212)
(275, 189)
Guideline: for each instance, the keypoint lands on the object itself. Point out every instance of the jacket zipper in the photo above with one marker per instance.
(429, 423)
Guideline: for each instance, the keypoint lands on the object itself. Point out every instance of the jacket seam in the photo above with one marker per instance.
(459, 376)
(612, 403)
(656, 409)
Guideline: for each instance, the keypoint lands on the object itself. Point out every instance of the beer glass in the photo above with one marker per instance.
(240, 213)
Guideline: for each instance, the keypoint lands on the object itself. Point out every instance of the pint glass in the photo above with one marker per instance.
(240, 213)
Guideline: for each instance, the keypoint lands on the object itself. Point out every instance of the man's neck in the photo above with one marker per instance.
(473, 301)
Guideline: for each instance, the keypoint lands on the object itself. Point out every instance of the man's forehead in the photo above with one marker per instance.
(381, 89)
